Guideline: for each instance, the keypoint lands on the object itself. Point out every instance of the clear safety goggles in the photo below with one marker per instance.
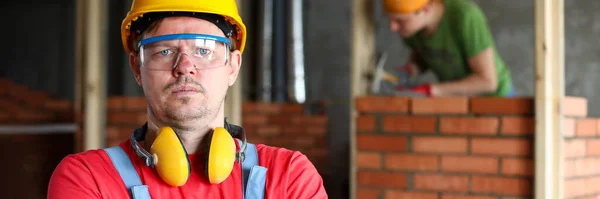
(166, 52)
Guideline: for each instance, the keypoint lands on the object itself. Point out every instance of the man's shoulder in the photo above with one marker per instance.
(280, 155)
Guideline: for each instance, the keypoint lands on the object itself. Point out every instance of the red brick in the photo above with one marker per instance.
(257, 140)
(365, 123)
(437, 182)
(469, 125)
(262, 108)
(517, 166)
(470, 164)
(569, 168)
(371, 160)
(501, 185)
(5, 85)
(518, 125)
(278, 120)
(268, 130)
(585, 167)
(593, 147)
(411, 162)
(9, 106)
(136, 104)
(369, 193)
(316, 130)
(409, 124)
(575, 187)
(58, 105)
(499, 105)
(253, 120)
(115, 103)
(292, 108)
(574, 148)
(501, 146)
(408, 194)
(382, 104)
(5, 117)
(29, 116)
(381, 143)
(575, 106)
(382, 178)
(440, 105)
(568, 127)
(132, 118)
(309, 120)
(585, 127)
(34, 98)
(431, 144)
(303, 130)
(459, 196)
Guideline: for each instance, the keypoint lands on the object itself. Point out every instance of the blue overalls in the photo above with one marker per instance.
(254, 175)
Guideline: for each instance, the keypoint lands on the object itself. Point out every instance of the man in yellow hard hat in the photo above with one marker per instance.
(185, 54)
(452, 39)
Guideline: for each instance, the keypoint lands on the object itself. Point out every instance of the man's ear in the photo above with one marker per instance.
(134, 63)
(235, 64)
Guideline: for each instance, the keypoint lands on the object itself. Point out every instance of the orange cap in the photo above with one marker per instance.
(403, 6)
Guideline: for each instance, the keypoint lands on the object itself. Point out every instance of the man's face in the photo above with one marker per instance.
(186, 95)
(406, 25)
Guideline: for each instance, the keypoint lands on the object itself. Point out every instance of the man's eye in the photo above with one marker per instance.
(203, 51)
(165, 52)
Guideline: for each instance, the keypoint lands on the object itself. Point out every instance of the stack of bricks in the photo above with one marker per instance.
(581, 150)
(287, 125)
(444, 148)
(21, 105)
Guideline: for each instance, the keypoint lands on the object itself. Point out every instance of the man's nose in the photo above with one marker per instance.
(184, 65)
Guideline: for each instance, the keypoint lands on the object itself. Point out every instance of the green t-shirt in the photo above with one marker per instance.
(462, 33)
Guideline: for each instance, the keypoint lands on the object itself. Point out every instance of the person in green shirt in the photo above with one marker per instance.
(452, 39)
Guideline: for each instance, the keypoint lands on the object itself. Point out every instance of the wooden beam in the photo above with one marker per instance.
(363, 48)
(94, 82)
(549, 95)
(233, 104)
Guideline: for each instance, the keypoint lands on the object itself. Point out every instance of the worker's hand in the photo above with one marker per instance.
(425, 89)
(408, 68)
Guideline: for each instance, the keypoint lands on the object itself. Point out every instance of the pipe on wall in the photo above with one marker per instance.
(265, 50)
(296, 79)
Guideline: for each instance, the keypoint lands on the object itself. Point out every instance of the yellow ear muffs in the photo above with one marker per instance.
(220, 156)
(170, 158)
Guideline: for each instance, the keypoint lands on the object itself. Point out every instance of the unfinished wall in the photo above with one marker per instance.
(444, 148)
(581, 149)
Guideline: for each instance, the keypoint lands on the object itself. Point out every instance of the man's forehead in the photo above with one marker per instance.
(397, 16)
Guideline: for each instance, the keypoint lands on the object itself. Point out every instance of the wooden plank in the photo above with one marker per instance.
(549, 95)
(95, 74)
(363, 48)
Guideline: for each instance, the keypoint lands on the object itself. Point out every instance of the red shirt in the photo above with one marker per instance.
(91, 174)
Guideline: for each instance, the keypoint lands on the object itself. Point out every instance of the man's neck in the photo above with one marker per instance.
(437, 14)
(191, 138)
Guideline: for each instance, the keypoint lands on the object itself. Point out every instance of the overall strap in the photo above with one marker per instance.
(128, 173)
(253, 175)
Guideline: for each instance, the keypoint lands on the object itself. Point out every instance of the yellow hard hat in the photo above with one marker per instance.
(226, 8)
(404, 6)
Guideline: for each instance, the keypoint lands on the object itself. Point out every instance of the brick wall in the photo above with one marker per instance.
(282, 125)
(444, 148)
(581, 149)
(21, 105)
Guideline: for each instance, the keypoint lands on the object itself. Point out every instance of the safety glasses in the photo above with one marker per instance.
(166, 52)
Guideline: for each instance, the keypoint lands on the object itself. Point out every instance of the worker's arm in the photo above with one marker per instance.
(304, 179)
(477, 43)
(482, 80)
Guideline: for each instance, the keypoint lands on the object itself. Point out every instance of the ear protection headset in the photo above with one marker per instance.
(170, 159)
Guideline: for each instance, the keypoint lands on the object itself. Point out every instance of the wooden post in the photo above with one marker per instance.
(549, 94)
(233, 104)
(363, 48)
(94, 79)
